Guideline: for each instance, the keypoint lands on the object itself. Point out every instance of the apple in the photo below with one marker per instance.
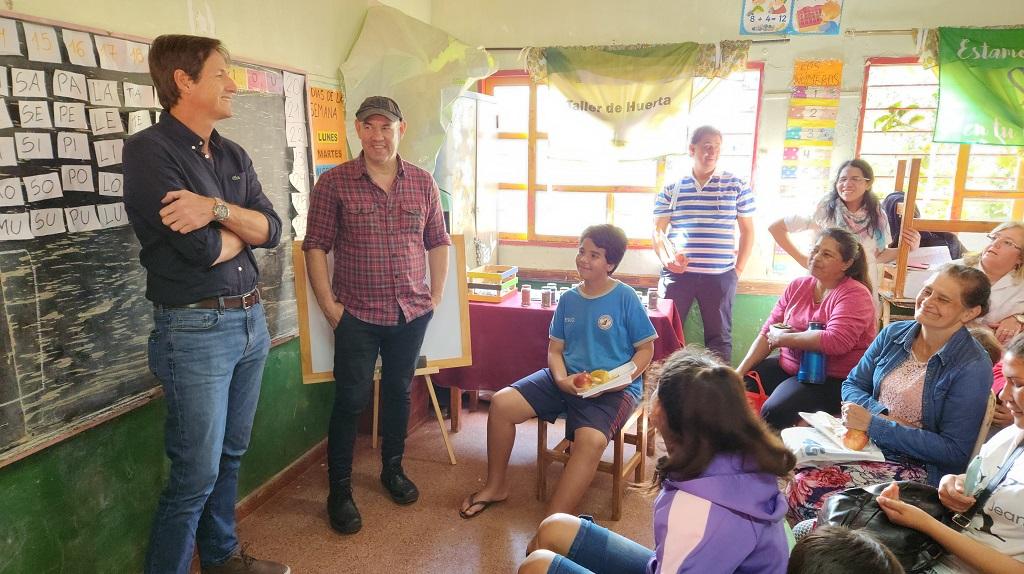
(855, 439)
(582, 381)
(680, 258)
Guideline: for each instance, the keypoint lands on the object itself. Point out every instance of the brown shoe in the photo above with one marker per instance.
(242, 563)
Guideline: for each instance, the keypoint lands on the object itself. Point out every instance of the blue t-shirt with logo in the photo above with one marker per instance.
(601, 332)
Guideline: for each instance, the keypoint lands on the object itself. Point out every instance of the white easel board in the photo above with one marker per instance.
(445, 345)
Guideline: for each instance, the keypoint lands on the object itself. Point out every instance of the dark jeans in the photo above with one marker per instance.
(714, 295)
(356, 346)
(787, 396)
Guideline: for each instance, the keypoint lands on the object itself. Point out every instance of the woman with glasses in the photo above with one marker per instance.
(919, 392)
(1002, 261)
(850, 205)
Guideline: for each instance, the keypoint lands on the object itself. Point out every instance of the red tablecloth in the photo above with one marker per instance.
(511, 341)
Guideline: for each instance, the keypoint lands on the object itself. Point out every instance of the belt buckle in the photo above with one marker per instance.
(252, 296)
(960, 520)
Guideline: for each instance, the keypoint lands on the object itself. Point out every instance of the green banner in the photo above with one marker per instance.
(981, 86)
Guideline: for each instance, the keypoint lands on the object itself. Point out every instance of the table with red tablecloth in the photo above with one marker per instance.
(510, 341)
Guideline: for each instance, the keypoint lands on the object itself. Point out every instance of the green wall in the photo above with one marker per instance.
(749, 313)
(85, 505)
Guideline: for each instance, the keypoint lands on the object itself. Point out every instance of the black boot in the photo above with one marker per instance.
(342, 509)
(401, 489)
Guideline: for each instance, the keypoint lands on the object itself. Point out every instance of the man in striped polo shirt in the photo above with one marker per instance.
(700, 214)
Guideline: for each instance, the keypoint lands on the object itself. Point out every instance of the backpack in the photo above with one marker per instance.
(928, 238)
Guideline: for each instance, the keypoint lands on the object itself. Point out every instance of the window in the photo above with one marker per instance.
(547, 199)
(900, 100)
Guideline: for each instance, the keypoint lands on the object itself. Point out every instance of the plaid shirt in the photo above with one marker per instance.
(378, 239)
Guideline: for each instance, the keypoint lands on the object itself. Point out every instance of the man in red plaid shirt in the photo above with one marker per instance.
(379, 214)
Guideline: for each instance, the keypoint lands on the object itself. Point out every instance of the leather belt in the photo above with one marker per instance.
(231, 302)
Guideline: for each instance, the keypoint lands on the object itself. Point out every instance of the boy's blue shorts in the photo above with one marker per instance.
(605, 413)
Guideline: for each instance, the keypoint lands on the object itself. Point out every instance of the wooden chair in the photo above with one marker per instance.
(986, 424)
(894, 276)
(424, 372)
(642, 438)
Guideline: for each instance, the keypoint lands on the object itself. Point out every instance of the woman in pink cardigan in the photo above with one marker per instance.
(838, 294)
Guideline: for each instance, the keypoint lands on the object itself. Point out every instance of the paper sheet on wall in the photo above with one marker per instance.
(73, 145)
(68, 84)
(5, 86)
(112, 215)
(82, 218)
(103, 93)
(5, 115)
(7, 154)
(47, 221)
(111, 184)
(15, 226)
(79, 47)
(34, 114)
(416, 69)
(10, 45)
(76, 178)
(28, 83)
(42, 187)
(69, 115)
(10, 192)
(111, 52)
(43, 44)
(33, 145)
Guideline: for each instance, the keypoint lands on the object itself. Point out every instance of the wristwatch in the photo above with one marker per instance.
(220, 209)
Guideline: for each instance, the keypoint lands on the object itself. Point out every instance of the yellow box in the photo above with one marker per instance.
(498, 274)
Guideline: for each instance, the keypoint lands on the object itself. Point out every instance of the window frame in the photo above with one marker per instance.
(959, 192)
(520, 77)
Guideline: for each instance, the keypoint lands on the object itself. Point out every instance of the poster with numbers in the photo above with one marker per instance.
(810, 133)
(791, 17)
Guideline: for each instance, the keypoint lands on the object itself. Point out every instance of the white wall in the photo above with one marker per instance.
(495, 23)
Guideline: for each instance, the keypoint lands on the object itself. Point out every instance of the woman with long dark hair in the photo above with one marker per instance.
(836, 293)
(849, 205)
(718, 509)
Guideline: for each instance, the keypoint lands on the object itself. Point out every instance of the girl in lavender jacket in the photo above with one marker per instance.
(719, 509)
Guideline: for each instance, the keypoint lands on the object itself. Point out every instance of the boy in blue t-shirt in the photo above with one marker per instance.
(599, 324)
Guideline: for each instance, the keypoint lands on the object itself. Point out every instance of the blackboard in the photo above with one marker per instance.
(74, 321)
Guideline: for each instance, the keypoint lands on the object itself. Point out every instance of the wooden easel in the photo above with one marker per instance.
(898, 274)
(425, 373)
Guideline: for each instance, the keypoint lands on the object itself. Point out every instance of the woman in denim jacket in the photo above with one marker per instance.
(920, 393)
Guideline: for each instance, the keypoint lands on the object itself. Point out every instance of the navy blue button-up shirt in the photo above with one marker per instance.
(168, 156)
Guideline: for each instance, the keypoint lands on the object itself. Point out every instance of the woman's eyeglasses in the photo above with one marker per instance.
(854, 179)
(1003, 242)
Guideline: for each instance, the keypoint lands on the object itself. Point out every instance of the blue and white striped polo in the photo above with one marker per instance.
(703, 222)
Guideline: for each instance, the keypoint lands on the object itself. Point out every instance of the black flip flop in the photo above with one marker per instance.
(483, 504)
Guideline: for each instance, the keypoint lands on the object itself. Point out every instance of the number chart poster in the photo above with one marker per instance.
(820, 17)
(810, 133)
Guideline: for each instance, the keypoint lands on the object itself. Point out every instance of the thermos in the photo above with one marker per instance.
(812, 365)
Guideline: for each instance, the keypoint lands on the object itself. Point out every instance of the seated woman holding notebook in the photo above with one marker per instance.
(919, 392)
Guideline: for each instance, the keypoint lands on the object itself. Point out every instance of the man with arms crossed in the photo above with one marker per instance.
(378, 213)
(198, 210)
(699, 214)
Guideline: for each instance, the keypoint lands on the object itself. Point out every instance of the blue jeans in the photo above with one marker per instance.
(210, 363)
(597, 549)
(714, 295)
(356, 346)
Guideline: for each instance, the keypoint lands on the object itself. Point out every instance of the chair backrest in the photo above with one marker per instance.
(986, 423)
